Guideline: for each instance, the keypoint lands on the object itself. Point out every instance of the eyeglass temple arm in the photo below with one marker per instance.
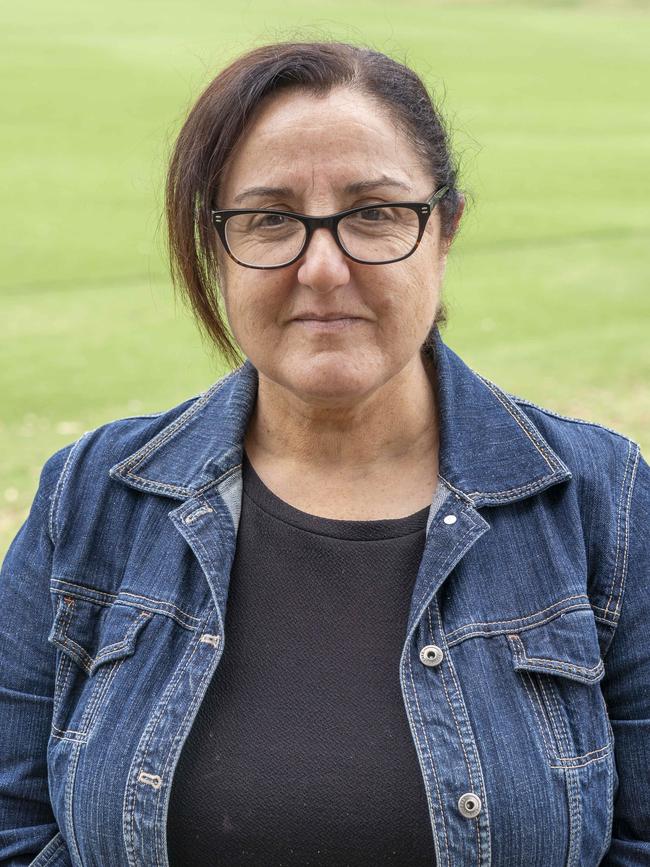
(435, 198)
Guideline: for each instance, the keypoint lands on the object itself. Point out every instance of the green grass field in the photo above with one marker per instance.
(548, 286)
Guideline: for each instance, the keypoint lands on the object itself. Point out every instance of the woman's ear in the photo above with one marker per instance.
(457, 216)
(446, 243)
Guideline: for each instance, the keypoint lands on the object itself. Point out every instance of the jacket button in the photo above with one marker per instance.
(431, 655)
(469, 805)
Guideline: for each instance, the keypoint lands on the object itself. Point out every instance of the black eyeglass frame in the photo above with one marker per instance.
(331, 222)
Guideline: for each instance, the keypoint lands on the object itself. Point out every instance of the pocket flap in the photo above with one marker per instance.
(567, 646)
(92, 633)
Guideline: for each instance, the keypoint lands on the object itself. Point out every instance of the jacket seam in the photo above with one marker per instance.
(54, 528)
(412, 703)
(502, 626)
(157, 606)
(164, 436)
(460, 733)
(504, 401)
(622, 536)
(522, 401)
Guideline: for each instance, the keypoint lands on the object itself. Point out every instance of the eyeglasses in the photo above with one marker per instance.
(372, 234)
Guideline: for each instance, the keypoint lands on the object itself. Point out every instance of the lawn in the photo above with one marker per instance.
(548, 285)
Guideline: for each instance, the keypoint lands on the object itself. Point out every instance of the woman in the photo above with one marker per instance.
(354, 604)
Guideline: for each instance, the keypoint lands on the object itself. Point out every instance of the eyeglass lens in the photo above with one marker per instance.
(373, 235)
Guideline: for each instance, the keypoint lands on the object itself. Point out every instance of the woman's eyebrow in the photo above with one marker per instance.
(354, 188)
(383, 181)
(263, 191)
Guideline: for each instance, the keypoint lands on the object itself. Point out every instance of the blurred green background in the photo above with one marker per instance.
(547, 287)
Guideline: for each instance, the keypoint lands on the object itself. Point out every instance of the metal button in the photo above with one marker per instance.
(469, 805)
(450, 519)
(431, 655)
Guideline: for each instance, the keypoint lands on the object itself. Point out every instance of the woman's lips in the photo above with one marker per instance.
(328, 324)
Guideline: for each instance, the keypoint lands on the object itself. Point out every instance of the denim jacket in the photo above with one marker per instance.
(525, 668)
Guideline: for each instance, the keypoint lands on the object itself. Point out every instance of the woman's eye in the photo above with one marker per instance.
(374, 215)
(270, 221)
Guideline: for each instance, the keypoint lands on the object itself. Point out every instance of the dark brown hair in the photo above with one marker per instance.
(219, 118)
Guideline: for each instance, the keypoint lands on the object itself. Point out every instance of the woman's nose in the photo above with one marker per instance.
(323, 265)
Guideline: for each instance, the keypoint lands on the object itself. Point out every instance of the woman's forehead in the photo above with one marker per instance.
(299, 140)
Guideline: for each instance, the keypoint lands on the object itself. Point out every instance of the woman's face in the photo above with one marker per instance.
(311, 148)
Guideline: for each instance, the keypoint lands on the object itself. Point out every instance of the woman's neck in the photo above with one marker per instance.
(396, 424)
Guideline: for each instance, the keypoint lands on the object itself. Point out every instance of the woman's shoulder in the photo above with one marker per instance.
(610, 476)
(81, 470)
(592, 451)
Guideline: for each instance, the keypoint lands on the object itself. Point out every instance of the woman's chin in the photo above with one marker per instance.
(331, 380)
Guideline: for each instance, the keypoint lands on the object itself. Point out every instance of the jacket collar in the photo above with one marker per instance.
(490, 452)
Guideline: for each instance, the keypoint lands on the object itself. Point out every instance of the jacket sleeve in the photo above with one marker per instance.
(27, 663)
(626, 685)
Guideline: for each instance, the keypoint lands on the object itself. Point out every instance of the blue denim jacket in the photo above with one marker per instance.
(525, 669)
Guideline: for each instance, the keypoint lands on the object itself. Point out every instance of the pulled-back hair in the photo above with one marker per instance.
(218, 120)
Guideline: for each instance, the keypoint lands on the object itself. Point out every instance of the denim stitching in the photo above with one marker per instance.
(610, 812)
(543, 718)
(57, 844)
(618, 531)
(523, 425)
(552, 734)
(460, 495)
(166, 766)
(598, 754)
(422, 729)
(583, 765)
(470, 774)
(60, 685)
(499, 496)
(68, 817)
(80, 656)
(131, 789)
(168, 433)
(533, 704)
(193, 516)
(525, 402)
(450, 556)
(97, 692)
(105, 678)
(573, 788)
(591, 674)
(216, 482)
(161, 487)
(619, 601)
(207, 675)
(417, 735)
(521, 620)
(575, 817)
(109, 596)
(64, 735)
(53, 521)
(113, 598)
(606, 620)
(132, 631)
(161, 604)
(554, 713)
(558, 665)
(548, 699)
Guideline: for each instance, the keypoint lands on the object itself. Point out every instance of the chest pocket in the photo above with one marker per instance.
(560, 668)
(94, 640)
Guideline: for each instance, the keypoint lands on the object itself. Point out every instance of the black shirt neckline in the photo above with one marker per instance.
(386, 528)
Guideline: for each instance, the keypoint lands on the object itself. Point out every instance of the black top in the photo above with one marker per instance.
(301, 753)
